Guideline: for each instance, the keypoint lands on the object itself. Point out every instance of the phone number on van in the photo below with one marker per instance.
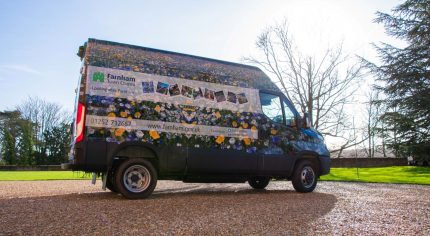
(102, 122)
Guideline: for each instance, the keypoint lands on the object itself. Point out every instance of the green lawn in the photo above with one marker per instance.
(42, 175)
(395, 174)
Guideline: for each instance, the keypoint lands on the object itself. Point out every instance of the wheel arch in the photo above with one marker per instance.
(130, 150)
(311, 156)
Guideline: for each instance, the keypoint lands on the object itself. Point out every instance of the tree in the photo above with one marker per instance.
(25, 144)
(57, 142)
(16, 138)
(374, 131)
(372, 121)
(9, 132)
(35, 133)
(8, 148)
(404, 77)
(321, 86)
(45, 115)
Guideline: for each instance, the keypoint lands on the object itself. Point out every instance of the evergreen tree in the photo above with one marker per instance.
(404, 77)
(8, 148)
(57, 141)
(25, 145)
(9, 133)
(35, 133)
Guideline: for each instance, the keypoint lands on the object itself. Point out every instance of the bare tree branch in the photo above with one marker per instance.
(321, 86)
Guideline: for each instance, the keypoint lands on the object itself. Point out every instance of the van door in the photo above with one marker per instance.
(221, 160)
(274, 160)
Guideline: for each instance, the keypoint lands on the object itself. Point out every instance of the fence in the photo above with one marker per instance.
(30, 168)
(368, 162)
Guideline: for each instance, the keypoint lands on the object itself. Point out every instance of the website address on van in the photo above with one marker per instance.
(169, 127)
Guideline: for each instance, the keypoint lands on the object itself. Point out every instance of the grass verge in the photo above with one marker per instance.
(394, 174)
(43, 175)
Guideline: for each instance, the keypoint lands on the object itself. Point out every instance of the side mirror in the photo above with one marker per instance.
(306, 120)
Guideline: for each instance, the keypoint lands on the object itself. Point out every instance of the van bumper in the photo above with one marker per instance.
(324, 164)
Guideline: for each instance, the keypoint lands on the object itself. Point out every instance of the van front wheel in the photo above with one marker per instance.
(304, 177)
(259, 182)
(136, 178)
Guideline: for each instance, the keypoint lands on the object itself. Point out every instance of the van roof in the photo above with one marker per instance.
(155, 61)
(173, 53)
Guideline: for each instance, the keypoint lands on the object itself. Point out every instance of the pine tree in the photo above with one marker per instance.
(404, 77)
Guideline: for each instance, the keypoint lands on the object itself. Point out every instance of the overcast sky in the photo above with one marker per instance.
(39, 39)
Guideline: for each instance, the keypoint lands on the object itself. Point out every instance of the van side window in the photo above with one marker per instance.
(289, 115)
(271, 106)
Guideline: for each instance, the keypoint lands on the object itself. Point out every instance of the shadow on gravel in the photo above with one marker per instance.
(174, 193)
(188, 210)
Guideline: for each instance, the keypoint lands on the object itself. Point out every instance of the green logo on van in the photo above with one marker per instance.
(98, 76)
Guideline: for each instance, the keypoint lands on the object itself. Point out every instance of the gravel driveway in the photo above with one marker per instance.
(77, 207)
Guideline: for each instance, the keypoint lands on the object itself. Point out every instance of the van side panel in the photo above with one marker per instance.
(276, 164)
(215, 161)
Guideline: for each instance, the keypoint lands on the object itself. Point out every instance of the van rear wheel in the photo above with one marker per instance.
(136, 178)
(304, 178)
(259, 182)
(110, 183)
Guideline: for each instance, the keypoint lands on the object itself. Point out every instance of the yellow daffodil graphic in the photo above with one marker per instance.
(218, 115)
(123, 114)
(154, 134)
(137, 115)
(247, 141)
(220, 139)
(234, 124)
(111, 116)
(157, 108)
(273, 131)
(119, 132)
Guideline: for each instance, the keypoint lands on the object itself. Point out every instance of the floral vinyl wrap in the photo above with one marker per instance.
(152, 61)
(272, 137)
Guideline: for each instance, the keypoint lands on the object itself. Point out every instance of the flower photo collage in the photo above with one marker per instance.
(193, 93)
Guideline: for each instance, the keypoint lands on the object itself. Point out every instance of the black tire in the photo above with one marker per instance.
(259, 182)
(136, 178)
(305, 177)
